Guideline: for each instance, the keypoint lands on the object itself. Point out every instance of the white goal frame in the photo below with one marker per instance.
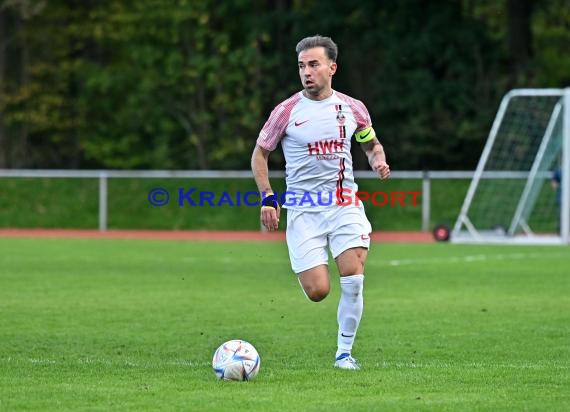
(465, 232)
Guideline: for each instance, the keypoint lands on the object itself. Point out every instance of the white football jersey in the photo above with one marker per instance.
(316, 137)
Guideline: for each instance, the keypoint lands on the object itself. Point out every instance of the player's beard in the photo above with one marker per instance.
(314, 91)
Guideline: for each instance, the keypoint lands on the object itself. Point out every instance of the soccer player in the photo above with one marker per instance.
(315, 127)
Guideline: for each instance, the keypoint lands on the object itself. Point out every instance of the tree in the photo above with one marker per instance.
(3, 47)
(178, 88)
(423, 69)
(519, 35)
(127, 84)
(36, 94)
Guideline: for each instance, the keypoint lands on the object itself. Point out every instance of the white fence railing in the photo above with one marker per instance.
(104, 175)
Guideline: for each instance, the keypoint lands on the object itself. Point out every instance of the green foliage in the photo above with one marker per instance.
(188, 84)
(416, 67)
(552, 62)
(179, 84)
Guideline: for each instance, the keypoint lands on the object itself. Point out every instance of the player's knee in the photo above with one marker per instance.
(356, 268)
(316, 294)
(352, 261)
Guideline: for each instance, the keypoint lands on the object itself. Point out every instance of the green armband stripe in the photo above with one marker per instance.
(365, 135)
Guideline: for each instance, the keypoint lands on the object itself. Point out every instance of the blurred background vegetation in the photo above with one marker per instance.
(187, 84)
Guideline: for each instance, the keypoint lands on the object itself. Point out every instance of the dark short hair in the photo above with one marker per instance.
(331, 49)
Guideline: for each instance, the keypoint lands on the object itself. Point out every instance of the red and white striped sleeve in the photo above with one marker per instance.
(274, 128)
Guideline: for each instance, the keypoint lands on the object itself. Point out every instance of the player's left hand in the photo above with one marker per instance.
(382, 169)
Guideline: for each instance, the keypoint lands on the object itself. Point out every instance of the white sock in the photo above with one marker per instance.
(349, 311)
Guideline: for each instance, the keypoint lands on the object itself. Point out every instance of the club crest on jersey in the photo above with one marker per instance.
(340, 118)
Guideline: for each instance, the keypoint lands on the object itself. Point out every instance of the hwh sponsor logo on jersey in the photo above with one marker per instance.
(325, 147)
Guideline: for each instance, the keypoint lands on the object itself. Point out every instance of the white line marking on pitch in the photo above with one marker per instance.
(468, 258)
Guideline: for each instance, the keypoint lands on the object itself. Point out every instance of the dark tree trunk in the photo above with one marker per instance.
(519, 35)
(3, 44)
(22, 159)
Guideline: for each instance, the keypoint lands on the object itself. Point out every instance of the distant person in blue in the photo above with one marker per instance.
(555, 183)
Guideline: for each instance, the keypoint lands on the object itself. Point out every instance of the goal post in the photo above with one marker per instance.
(520, 192)
(565, 187)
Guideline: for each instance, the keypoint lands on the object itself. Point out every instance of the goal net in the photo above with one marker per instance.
(518, 194)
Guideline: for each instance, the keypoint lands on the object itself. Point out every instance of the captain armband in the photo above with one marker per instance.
(365, 135)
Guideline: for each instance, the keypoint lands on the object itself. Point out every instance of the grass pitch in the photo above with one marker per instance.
(132, 325)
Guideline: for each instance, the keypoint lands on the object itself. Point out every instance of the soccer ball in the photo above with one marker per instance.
(236, 360)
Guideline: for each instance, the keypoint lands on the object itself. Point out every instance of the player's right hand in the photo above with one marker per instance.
(270, 217)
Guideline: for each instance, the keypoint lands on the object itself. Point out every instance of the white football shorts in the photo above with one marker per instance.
(310, 232)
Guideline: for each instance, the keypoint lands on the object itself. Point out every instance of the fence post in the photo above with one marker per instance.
(426, 191)
(102, 201)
